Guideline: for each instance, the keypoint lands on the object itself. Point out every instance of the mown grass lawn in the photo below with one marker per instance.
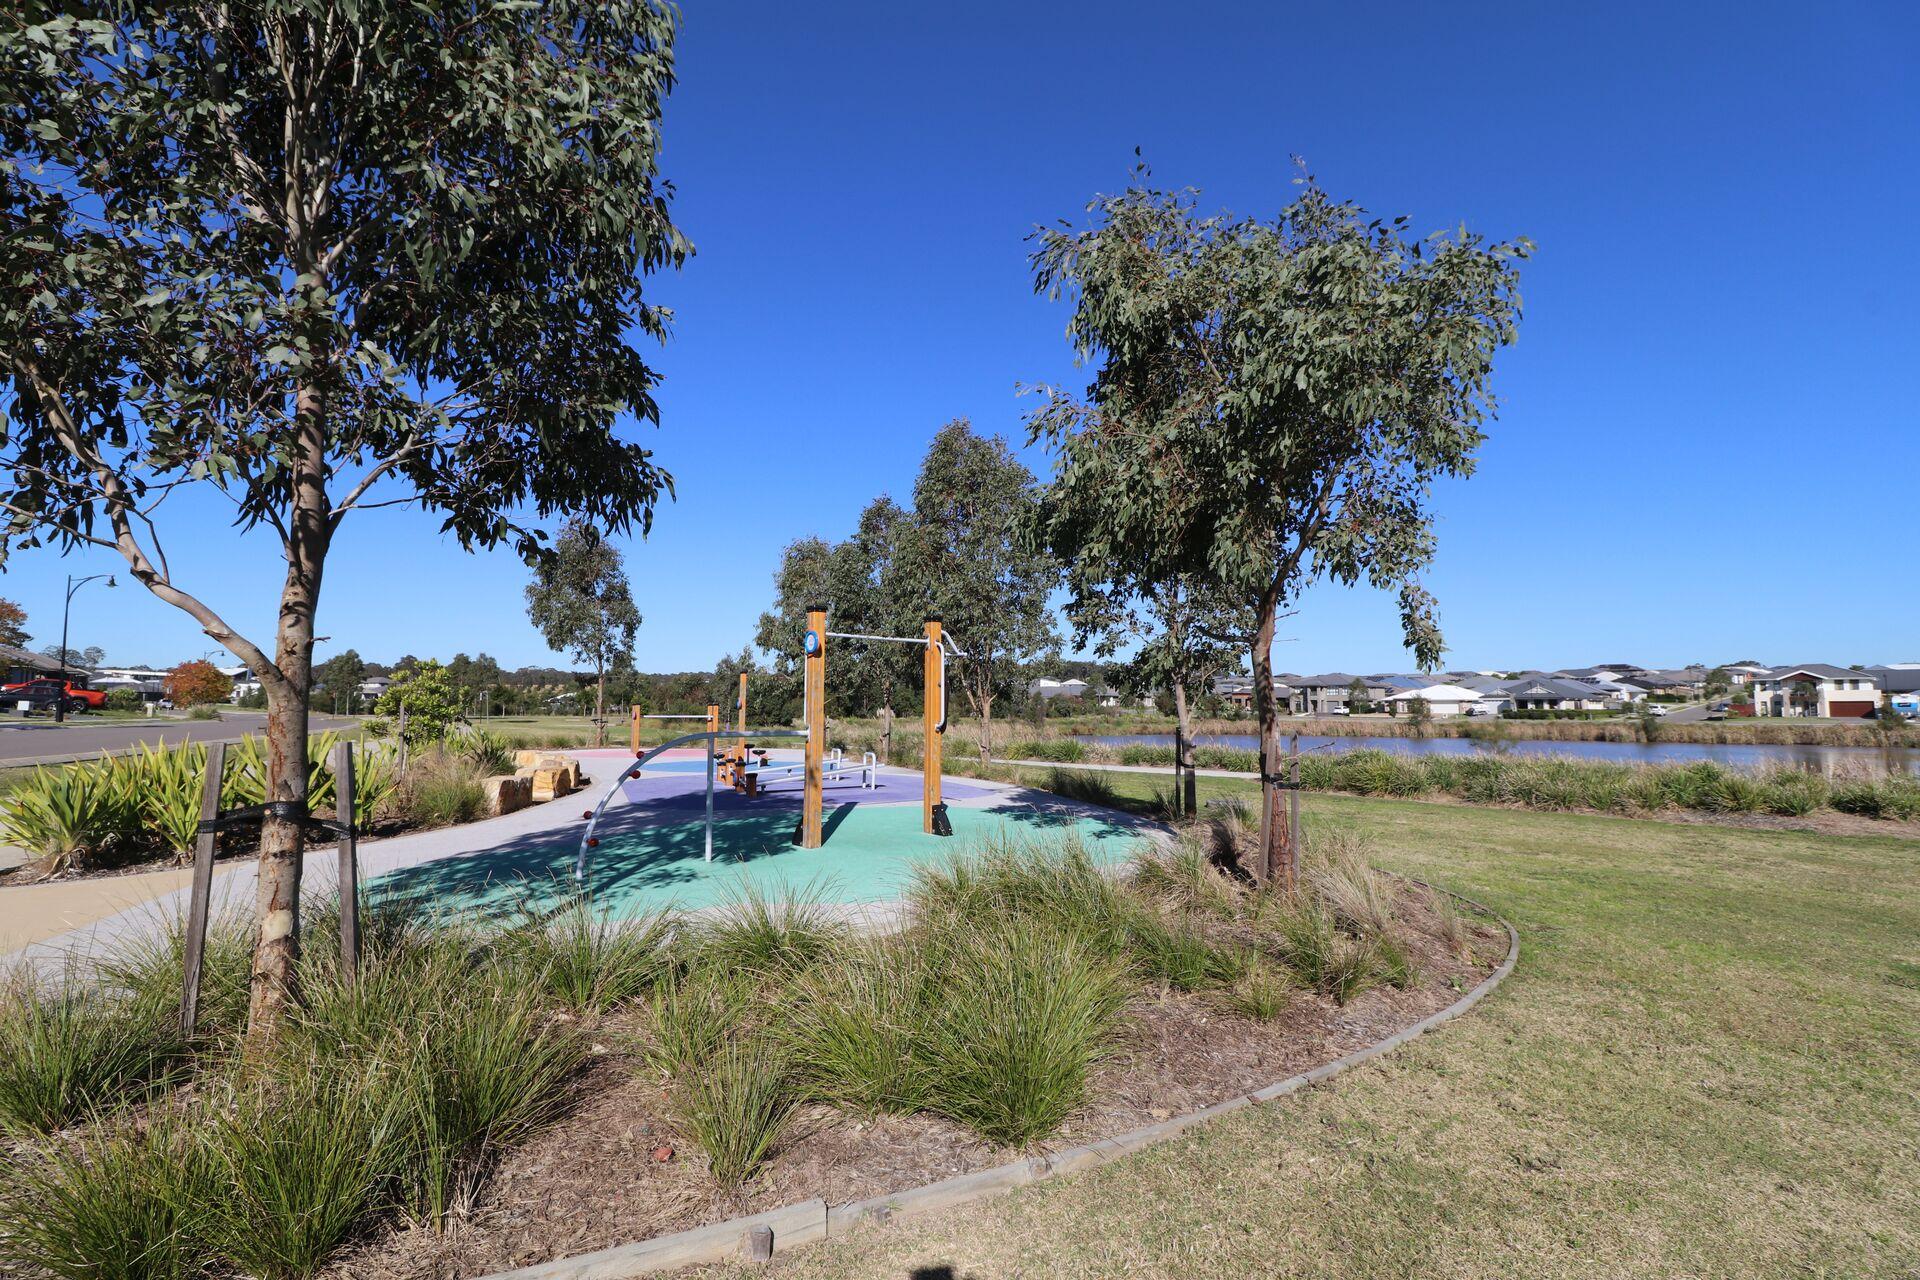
(1706, 1065)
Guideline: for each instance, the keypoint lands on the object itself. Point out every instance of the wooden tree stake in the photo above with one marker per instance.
(203, 842)
(343, 791)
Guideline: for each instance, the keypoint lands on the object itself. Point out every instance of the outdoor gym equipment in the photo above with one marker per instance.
(814, 769)
(936, 645)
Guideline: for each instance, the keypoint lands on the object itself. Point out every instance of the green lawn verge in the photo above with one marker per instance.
(1704, 1066)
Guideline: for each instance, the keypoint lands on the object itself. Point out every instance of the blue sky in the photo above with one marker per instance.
(1708, 450)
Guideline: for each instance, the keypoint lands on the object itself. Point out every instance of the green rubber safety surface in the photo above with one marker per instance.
(868, 854)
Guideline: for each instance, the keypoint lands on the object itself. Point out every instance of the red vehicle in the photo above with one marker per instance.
(47, 689)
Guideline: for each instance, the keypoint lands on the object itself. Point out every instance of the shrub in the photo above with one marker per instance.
(1325, 959)
(1186, 873)
(173, 779)
(1062, 750)
(203, 711)
(72, 816)
(1887, 797)
(121, 1202)
(1179, 955)
(1057, 885)
(70, 1050)
(489, 753)
(147, 967)
(442, 793)
(124, 700)
(588, 962)
(1086, 786)
(737, 1107)
(691, 1015)
(1792, 792)
(854, 1025)
(1338, 875)
(1261, 993)
(754, 934)
(1022, 1013)
(1140, 753)
(490, 1067)
(1234, 759)
(301, 1157)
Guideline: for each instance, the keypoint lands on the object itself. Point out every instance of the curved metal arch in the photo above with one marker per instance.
(587, 840)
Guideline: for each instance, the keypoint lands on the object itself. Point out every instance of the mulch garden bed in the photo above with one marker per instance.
(612, 1170)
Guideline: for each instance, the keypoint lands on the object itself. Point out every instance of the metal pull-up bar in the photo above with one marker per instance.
(933, 703)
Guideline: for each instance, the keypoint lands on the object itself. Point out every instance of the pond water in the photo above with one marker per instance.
(1827, 760)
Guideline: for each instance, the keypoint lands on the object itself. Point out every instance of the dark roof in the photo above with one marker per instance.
(12, 657)
(1896, 679)
(1552, 687)
(1825, 670)
(1327, 679)
(1681, 675)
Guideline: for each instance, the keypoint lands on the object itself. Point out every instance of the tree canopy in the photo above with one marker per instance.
(1272, 403)
(320, 257)
(580, 600)
(973, 561)
(13, 624)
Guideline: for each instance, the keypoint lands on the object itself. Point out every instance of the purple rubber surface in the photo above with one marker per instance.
(688, 791)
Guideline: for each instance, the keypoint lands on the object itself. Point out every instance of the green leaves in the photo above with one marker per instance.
(439, 254)
(1272, 400)
(580, 600)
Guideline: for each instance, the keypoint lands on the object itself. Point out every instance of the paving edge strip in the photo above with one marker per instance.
(811, 1220)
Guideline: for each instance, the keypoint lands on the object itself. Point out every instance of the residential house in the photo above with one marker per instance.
(1742, 673)
(1441, 699)
(1329, 692)
(1237, 691)
(1540, 692)
(374, 686)
(1816, 689)
(22, 665)
(1896, 677)
(1617, 691)
(1047, 689)
(149, 683)
(1683, 682)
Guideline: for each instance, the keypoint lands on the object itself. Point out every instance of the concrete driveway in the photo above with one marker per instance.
(25, 742)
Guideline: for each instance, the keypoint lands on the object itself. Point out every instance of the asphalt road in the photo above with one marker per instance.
(25, 742)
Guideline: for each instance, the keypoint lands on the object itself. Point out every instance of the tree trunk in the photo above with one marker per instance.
(1275, 861)
(886, 734)
(600, 705)
(1186, 788)
(276, 951)
(986, 726)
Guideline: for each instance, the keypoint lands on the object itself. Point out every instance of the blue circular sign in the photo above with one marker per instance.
(812, 643)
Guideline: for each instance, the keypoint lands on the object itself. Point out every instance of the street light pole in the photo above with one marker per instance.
(66, 612)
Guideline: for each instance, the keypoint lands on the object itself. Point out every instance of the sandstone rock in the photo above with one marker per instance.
(507, 793)
(550, 784)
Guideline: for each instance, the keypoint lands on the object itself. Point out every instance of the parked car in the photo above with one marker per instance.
(1655, 709)
(49, 691)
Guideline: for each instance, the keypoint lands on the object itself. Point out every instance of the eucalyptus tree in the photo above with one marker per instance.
(859, 580)
(318, 256)
(1272, 403)
(580, 601)
(970, 558)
